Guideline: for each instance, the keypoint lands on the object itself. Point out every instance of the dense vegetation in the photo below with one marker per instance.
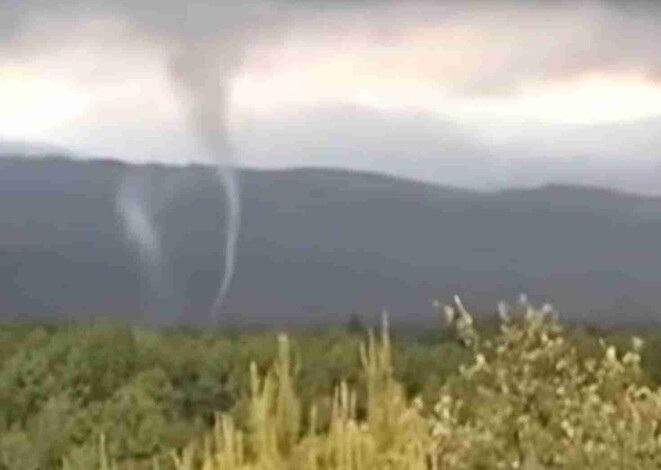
(519, 392)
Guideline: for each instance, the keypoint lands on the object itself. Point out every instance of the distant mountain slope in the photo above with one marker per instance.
(28, 149)
(317, 244)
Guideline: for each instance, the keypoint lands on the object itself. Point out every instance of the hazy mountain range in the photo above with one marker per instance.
(317, 244)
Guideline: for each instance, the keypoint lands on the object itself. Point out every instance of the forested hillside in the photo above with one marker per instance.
(316, 245)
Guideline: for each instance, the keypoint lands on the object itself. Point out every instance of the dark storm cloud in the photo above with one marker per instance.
(474, 48)
(519, 40)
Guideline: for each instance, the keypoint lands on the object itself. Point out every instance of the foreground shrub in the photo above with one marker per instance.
(530, 399)
(527, 400)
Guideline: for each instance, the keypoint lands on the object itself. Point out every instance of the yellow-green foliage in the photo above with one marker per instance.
(528, 400)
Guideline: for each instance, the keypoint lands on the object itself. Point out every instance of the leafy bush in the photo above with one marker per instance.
(527, 400)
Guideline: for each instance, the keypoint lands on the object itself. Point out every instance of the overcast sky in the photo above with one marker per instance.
(476, 94)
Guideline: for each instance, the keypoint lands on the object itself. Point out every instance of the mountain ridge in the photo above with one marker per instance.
(65, 156)
(318, 244)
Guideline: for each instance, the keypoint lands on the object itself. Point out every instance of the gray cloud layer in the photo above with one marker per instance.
(425, 147)
(519, 41)
(479, 47)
